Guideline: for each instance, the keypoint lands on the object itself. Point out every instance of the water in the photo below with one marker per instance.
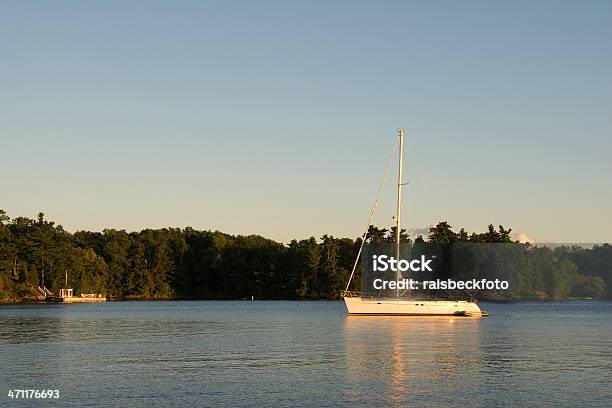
(251, 354)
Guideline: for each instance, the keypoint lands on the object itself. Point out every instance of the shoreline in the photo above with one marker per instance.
(512, 301)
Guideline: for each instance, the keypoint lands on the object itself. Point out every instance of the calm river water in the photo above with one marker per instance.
(251, 354)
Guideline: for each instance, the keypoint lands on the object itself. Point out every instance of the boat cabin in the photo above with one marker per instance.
(64, 293)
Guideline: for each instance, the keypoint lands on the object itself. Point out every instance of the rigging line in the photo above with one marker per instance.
(363, 237)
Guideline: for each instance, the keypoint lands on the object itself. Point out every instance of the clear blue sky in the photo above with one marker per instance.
(277, 118)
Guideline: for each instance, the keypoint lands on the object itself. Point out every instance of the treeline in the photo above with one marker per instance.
(190, 264)
(170, 262)
(533, 272)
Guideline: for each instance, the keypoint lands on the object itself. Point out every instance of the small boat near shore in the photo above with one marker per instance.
(66, 295)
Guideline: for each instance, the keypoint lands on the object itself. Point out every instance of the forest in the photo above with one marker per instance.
(175, 263)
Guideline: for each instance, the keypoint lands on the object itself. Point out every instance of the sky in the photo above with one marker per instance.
(277, 118)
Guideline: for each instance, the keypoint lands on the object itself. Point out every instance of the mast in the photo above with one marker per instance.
(66, 277)
(398, 274)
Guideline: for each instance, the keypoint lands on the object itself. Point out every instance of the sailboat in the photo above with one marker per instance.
(360, 304)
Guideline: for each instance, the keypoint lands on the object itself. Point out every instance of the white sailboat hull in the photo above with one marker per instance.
(404, 307)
